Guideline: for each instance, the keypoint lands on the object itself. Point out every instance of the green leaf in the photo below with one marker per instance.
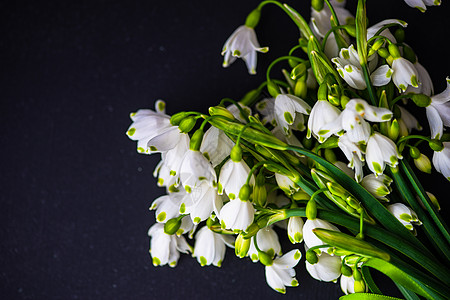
(407, 293)
(369, 280)
(367, 296)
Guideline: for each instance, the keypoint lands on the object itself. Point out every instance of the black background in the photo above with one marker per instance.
(74, 192)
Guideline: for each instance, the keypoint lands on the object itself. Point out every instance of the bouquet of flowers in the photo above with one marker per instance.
(330, 158)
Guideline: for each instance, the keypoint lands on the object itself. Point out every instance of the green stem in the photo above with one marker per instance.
(287, 57)
(239, 107)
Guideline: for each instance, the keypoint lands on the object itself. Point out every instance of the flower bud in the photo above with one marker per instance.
(394, 130)
(178, 117)
(295, 229)
(344, 100)
(265, 258)
(434, 201)
(273, 89)
(298, 71)
(259, 190)
(330, 156)
(311, 257)
(399, 35)
(414, 152)
(250, 96)
(196, 140)
(300, 88)
(423, 163)
(350, 29)
(357, 274)
(241, 246)
(311, 209)
(172, 226)
(359, 286)
(236, 153)
(376, 46)
(383, 52)
(394, 51)
(251, 230)
(187, 124)
(220, 111)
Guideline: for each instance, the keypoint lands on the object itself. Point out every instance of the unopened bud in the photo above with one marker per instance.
(196, 140)
(259, 190)
(220, 111)
(273, 89)
(394, 130)
(236, 153)
(359, 286)
(414, 152)
(434, 200)
(265, 258)
(241, 246)
(357, 274)
(394, 51)
(423, 163)
(311, 209)
(178, 117)
(383, 52)
(298, 71)
(300, 88)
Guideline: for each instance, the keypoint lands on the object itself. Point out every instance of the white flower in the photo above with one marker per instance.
(405, 74)
(353, 153)
(407, 122)
(167, 206)
(327, 268)
(286, 109)
(441, 160)
(295, 229)
(349, 68)
(210, 247)
(380, 151)
(379, 186)
(165, 248)
(194, 169)
(199, 204)
(234, 110)
(237, 215)
(438, 112)
(347, 284)
(243, 44)
(216, 145)
(286, 184)
(372, 30)
(266, 108)
(281, 273)
(422, 4)
(322, 113)
(233, 175)
(311, 240)
(404, 214)
(267, 240)
(425, 85)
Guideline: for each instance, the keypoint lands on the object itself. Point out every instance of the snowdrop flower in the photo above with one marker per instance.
(233, 175)
(210, 247)
(426, 84)
(266, 108)
(349, 68)
(353, 153)
(194, 169)
(380, 151)
(327, 268)
(237, 215)
(295, 230)
(322, 113)
(422, 4)
(286, 184)
(405, 73)
(243, 44)
(281, 273)
(404, 214)
(372, 30)
(267, 240)
(311, 240)
(347, 284)
(234, 110)
(165, 248)
(199, 204)
(441, 160)
(167, 206)
(438, 112)
(379, 186)
(216, 145)
(352, 121)
(286, 109)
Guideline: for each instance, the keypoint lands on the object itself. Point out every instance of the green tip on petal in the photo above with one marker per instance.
(283, 291)
(131, 131)
(161, 217)
(156, 261)
(203, 261)
(288, 117)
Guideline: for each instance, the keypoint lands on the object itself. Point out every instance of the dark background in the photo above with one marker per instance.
(75, 193)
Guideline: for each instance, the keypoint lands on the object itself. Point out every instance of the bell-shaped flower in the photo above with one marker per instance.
(286, 184)
(322, 113)
(199, 204)
(311, 240)
(425, 85)
(404, 214)
(327, 268)
(233, 175)
(286, 109)
(405, 74)
(210, 247)
(380, 151)
(267, 240)
(148, 124)
(216, 145)
(379, 186)
(347, 284)
(372, 30)
(441, 160)
(167, 206)
(195, 169)
(295, 229)
(354, 154)
(165, 248)
(237, 215)
(243, 44)
(438, 112)
(281, 273)
(422, 4)
(266, 108)
(238, 114)
(349, 68)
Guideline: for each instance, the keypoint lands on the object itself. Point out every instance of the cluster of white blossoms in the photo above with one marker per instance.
(320, 154)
